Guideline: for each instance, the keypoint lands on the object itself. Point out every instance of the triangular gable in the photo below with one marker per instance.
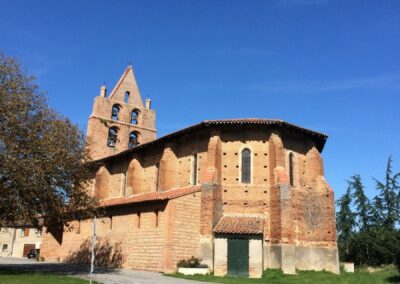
(127, 83)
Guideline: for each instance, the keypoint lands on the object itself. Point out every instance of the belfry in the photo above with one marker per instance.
(120, 121)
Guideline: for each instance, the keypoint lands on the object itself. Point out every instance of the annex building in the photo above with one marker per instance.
(243, 195)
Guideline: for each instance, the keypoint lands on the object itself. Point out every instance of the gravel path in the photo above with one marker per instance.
(106, 276)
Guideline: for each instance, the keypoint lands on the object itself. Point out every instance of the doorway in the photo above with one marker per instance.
(238, 256)
(27, 248)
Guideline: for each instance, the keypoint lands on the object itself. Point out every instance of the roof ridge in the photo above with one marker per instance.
(320, 144)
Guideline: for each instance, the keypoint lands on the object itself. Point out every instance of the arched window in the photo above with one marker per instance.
(133, 140)
(134, 117)
(112, 137)
(115, 112)
(126, 99)
(291, 169)
(157, 176)
(194, 170)
(246, 165)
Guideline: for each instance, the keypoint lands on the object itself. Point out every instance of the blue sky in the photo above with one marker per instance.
(332, 66)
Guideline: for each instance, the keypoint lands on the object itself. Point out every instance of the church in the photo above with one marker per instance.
(243, 195)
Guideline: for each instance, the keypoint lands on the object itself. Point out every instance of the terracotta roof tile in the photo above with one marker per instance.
(150, 196)
(240, 225)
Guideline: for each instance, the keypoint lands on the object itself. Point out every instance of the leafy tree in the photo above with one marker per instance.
(43, 170)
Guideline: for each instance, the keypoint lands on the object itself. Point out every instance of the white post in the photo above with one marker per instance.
(93, 249)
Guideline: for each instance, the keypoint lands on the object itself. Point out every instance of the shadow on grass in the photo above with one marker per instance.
(13, 272)
(54, 268)
(109, 257)
(393, 279)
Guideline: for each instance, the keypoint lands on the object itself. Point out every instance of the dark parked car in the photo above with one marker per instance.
(32, 253)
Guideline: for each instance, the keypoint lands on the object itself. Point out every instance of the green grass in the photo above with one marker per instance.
(306, 277)
(20, 277)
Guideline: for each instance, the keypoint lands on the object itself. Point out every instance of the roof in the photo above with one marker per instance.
(239, 225)
(150, 196)
(318, 137)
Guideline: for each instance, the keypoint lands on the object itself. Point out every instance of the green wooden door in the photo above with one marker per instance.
(238, 257)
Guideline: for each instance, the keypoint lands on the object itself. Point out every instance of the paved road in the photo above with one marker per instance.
(115, 276)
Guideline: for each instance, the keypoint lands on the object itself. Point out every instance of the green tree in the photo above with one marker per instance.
(383, 247)
(387, 202)
(361, 202)
(43, 170)
(345, 220)
(377, 238)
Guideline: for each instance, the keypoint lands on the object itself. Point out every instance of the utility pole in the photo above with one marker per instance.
(13, 240)
(93, 249)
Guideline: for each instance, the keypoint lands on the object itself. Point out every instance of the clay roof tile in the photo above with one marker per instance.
(150, 196)
(240, 225)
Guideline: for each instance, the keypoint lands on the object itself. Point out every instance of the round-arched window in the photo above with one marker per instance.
(126, 99)
(115, 112)
(246, 165)
(112, 136)
(133, 140)
(134, 117)
(291, 169)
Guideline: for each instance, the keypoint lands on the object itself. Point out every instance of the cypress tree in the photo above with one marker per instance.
(361, 202)
(388, 199)
(345, 221)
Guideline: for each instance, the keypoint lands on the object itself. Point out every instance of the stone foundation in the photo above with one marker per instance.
(290, 258)
(317, 258)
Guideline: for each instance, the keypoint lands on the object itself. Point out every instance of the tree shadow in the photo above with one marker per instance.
(393, 279)
(107, 254)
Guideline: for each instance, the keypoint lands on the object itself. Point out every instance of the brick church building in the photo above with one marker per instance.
(243, 195)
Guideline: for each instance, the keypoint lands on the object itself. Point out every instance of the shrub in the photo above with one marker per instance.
(191, 262)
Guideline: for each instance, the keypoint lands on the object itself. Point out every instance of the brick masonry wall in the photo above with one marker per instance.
(218, 161)
(186, 227)
(132, 245)
(263, 196)
(100, 120)
(98, 127)
(138, 173)
(122, 240)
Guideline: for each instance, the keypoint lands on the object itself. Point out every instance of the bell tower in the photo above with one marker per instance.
(120, 121)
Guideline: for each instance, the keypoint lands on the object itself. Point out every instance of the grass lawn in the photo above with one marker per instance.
(312, 277)
(19, 277)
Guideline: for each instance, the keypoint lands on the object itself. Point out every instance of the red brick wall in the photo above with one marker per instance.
(100, 119)
(181, 222)
(140, 247)
(186, 227)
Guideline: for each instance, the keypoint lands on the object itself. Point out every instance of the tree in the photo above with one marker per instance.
(375, 247)
(387, 202)
(376, 240)
(345, 220)
(43, 162)
(361, 202)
